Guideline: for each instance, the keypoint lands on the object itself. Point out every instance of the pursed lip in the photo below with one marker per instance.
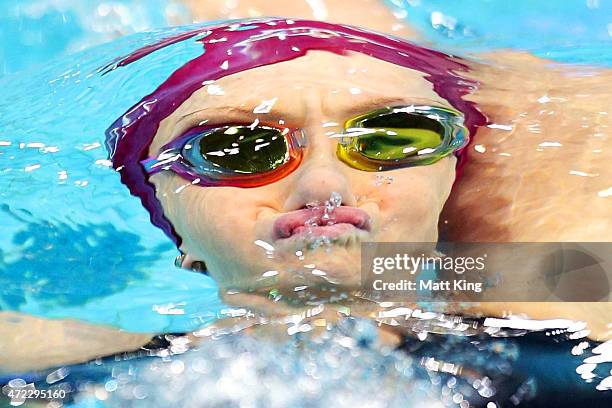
(315, 222)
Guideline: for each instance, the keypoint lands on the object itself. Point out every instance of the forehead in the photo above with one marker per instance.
(320, 86)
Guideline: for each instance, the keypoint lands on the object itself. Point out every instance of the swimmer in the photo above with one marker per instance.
(253, 229)
(505, 192)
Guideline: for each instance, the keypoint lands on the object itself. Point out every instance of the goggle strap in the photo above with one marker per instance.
(150, 166)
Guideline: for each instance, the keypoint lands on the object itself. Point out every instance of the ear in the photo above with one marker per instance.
(186, 261)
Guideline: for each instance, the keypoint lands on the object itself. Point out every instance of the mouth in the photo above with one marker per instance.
(318, 223)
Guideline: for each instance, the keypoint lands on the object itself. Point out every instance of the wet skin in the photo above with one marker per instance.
(547, 170)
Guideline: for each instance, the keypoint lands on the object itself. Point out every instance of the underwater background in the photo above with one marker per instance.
(74, 243)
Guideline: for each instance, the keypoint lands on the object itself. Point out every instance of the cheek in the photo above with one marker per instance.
(410, 199)
(208, 219)
(414, 199)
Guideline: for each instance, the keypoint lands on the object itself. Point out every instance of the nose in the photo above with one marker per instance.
(320, 175)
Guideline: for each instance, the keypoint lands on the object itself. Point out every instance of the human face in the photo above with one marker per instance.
(253, 238)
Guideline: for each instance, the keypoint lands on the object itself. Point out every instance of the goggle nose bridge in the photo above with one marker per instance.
(299, 138)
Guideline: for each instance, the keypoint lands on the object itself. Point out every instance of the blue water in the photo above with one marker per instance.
(577, 31)
(75, 243)
(34, 31)
(573, 31)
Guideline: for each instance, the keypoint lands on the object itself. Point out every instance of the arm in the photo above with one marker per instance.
(371, 14)
(31, 343)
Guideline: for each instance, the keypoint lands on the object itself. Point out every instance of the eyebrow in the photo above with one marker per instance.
(226, 114)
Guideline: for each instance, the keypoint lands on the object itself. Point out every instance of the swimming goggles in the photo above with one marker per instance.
(255, 155)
